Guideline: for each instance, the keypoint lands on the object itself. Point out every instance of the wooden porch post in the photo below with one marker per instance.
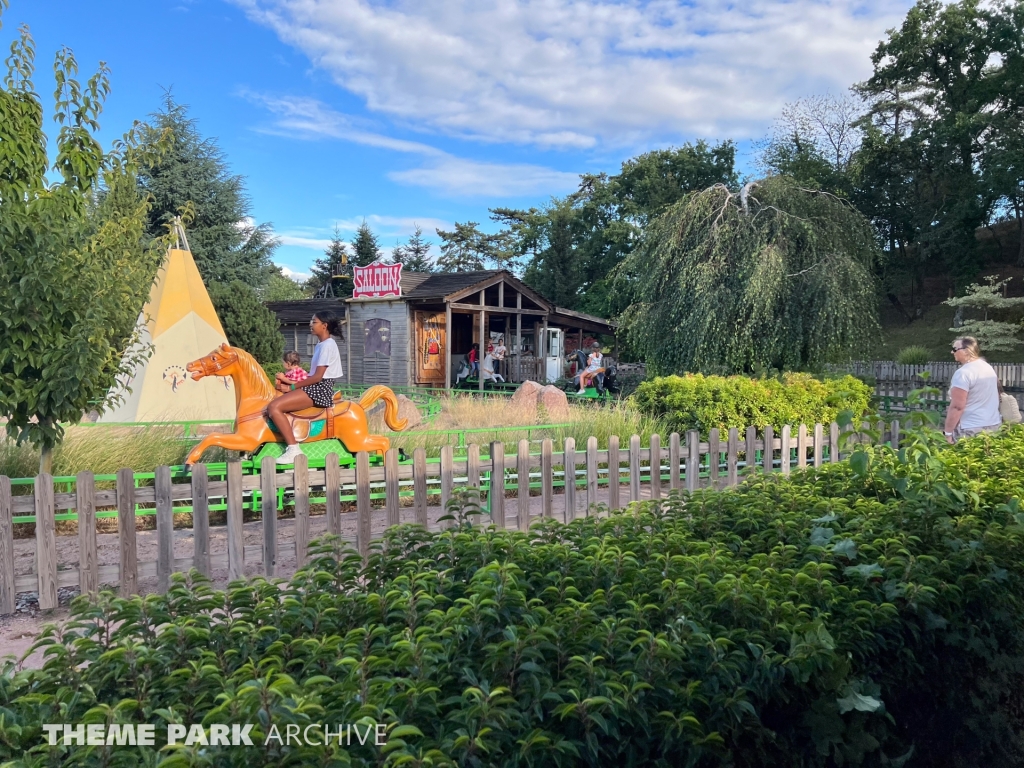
(447, 345)
(519, 338)
(483, 344)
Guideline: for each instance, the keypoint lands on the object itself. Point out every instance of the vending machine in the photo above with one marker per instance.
(554, 354)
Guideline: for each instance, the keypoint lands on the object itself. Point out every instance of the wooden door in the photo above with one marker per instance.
(431, 345)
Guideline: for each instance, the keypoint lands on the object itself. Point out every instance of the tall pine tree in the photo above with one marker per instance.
(226, 244)
(366, 247)
(332, 273)
(414, 256)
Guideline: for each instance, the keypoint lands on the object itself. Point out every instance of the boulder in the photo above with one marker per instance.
(407, 410)
(555, 403)
(525, 398)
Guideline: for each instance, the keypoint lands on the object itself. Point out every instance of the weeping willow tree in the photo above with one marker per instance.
(773, 276)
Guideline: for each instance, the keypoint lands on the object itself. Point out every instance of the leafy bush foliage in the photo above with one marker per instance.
(695, 401)
(915, 354)
(860, 614)
(247, 323)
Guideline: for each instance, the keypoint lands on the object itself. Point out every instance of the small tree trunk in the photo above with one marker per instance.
(46, 459)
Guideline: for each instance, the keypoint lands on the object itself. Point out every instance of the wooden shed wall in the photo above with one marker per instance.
(396, 370)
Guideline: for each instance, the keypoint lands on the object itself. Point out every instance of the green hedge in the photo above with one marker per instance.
(865, 613)
(696, 401)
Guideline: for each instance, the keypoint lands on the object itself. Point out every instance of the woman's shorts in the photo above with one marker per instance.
(321, 393)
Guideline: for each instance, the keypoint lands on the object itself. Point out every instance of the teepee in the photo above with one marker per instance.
(181, 324)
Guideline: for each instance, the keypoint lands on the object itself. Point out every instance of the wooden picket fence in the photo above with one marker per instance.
(685, 462)
(940, 372)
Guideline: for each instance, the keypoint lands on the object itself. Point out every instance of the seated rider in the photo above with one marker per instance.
(315, 391)
(474, 359)
(595, 364)
(293, 373)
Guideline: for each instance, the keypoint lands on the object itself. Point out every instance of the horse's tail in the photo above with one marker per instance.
(380, 392)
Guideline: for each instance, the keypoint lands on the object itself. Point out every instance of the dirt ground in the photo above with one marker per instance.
(18, 631)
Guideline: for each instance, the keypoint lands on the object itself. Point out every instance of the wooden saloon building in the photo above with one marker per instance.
(419, 337)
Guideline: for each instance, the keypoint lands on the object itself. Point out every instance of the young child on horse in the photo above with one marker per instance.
(293, 373)
(317, 390)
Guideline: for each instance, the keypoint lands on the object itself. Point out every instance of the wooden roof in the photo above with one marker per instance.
(299, 312)
(440, 285)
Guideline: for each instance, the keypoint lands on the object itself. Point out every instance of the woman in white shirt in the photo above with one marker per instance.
(317, 390)
(973, 393)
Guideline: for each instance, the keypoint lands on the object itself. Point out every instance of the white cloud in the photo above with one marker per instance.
(299, 277)
(455, 176)
(317, 244)
(575, 73)
(297, 117)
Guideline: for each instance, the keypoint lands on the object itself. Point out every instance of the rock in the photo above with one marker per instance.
(525, 398)
(555, 403)
(407, 410)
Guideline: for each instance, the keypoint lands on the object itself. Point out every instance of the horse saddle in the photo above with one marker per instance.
(313, 423)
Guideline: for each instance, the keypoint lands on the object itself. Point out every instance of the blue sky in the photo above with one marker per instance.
(431, 111)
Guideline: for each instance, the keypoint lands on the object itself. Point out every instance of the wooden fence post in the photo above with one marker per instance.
(236, 541)
(391, 487)
(447, 470)
(419, 485)
(497, 492)
(732, 458)
(547, 477)
(750, 452)
(200, 519)
(46, 542)
(895, 432)
(164, 528)
(363, 511)
(818, 440)
(833, 443)
(692, 460)
(473, 466)
(332, 490)
(801, 446)
(88, 557)
(301, 483)
(634, 468)
(523, 485)
(714, 456)
(7, 592)
(614, 472)
(569, 467)
(784, 454)
(655, 466)
(268, 509)
(591, 473)
(768, 457)
(126, 532)
(673, 461)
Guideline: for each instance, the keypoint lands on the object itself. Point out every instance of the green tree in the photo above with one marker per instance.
(467, 249)
(247, 323)
(74, 269)
(573, 244)
(414, 255)
(225, 242)
(365, 245)
(933, 96)
(993, 335)
(332, 272)
(771, 277)
(281, 288)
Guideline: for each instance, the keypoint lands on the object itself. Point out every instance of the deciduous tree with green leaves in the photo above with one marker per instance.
(247, 323)
(74, 269)
(773, 276)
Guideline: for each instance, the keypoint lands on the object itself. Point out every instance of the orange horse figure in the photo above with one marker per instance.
(253, 392)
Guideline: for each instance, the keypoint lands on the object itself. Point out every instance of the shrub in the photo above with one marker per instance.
(859, 614)
(915, 354)
(696, 401)
(247, 323)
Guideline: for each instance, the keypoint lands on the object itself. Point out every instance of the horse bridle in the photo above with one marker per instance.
(216, 367)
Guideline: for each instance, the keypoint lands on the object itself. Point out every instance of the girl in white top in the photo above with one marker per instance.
(317, 390)
(973, 393)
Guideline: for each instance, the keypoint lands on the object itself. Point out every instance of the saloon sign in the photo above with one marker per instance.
(377, 279)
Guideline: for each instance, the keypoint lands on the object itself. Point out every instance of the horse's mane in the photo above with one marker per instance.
(260, 382)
